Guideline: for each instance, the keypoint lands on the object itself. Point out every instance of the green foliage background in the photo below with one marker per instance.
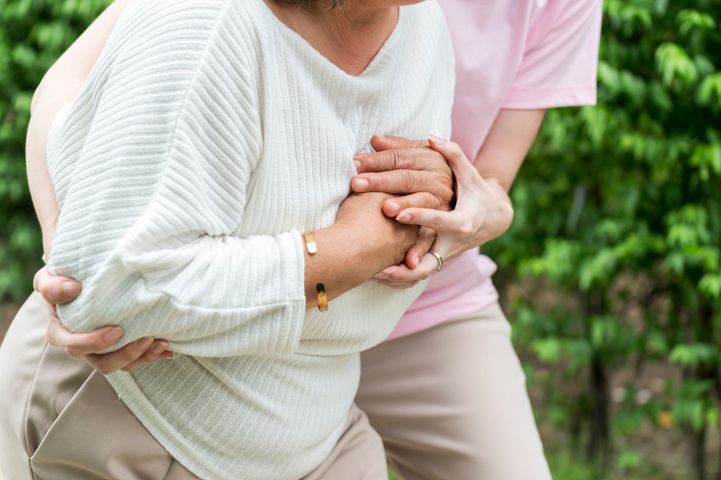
(614, 258)
(619, 228)
(33, 33)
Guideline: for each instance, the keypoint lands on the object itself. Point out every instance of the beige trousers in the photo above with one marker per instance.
(60, 420)
(450, 403)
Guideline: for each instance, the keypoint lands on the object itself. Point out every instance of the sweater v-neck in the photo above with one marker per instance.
(376, 65)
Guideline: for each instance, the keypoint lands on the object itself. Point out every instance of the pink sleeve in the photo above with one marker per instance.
(560, 63)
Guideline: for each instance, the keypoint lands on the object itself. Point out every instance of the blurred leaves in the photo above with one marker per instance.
(618, 219)
(33, 33)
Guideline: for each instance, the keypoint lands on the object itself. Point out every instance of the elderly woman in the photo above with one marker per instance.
(202, 178)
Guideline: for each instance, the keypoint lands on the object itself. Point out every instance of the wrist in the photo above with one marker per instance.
(499, 187)
(499, 214)
(350, 249)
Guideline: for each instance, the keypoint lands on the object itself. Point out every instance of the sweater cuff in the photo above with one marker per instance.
(293, 276)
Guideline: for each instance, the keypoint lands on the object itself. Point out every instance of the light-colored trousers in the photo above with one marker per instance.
(450, 403)
(60, 420)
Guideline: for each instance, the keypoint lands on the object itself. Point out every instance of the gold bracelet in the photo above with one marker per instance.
(322, 297)
(310, 244)
(312, 249)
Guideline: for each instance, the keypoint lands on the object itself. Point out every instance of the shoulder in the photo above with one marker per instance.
(167, 42)
(156, 18)
(181, 28)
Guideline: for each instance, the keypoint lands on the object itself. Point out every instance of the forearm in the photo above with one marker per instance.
(348, 257)
(498, 163)
(219, 296)
(507, 145)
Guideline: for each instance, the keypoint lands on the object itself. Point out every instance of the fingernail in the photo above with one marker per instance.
(380, 137)
(437, 140)
(393, 207)
(113, 335)
(416, 260)
(403, 217)
(167, 355)
(381, 276)
(361, 183)
(357, 164)
(160, 347)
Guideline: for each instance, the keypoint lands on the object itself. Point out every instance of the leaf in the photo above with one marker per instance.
(628, 460)
(675, 66)
(709, 92)
(694, 355)
(548, 350)
(691, 20)
(710, 285)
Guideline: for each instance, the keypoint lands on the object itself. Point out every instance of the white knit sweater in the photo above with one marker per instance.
(207, 136)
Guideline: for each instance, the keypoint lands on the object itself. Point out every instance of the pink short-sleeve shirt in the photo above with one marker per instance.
(510, 54)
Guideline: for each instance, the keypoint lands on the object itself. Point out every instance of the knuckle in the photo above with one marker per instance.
(434, 202)
(466, 228)
(407, 181)
(446, 200)
(368, 164)
(395, 159)
(429, 200)
(447, 182)
(411, 201)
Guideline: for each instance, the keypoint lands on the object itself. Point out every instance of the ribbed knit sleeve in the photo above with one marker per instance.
(153, 167)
